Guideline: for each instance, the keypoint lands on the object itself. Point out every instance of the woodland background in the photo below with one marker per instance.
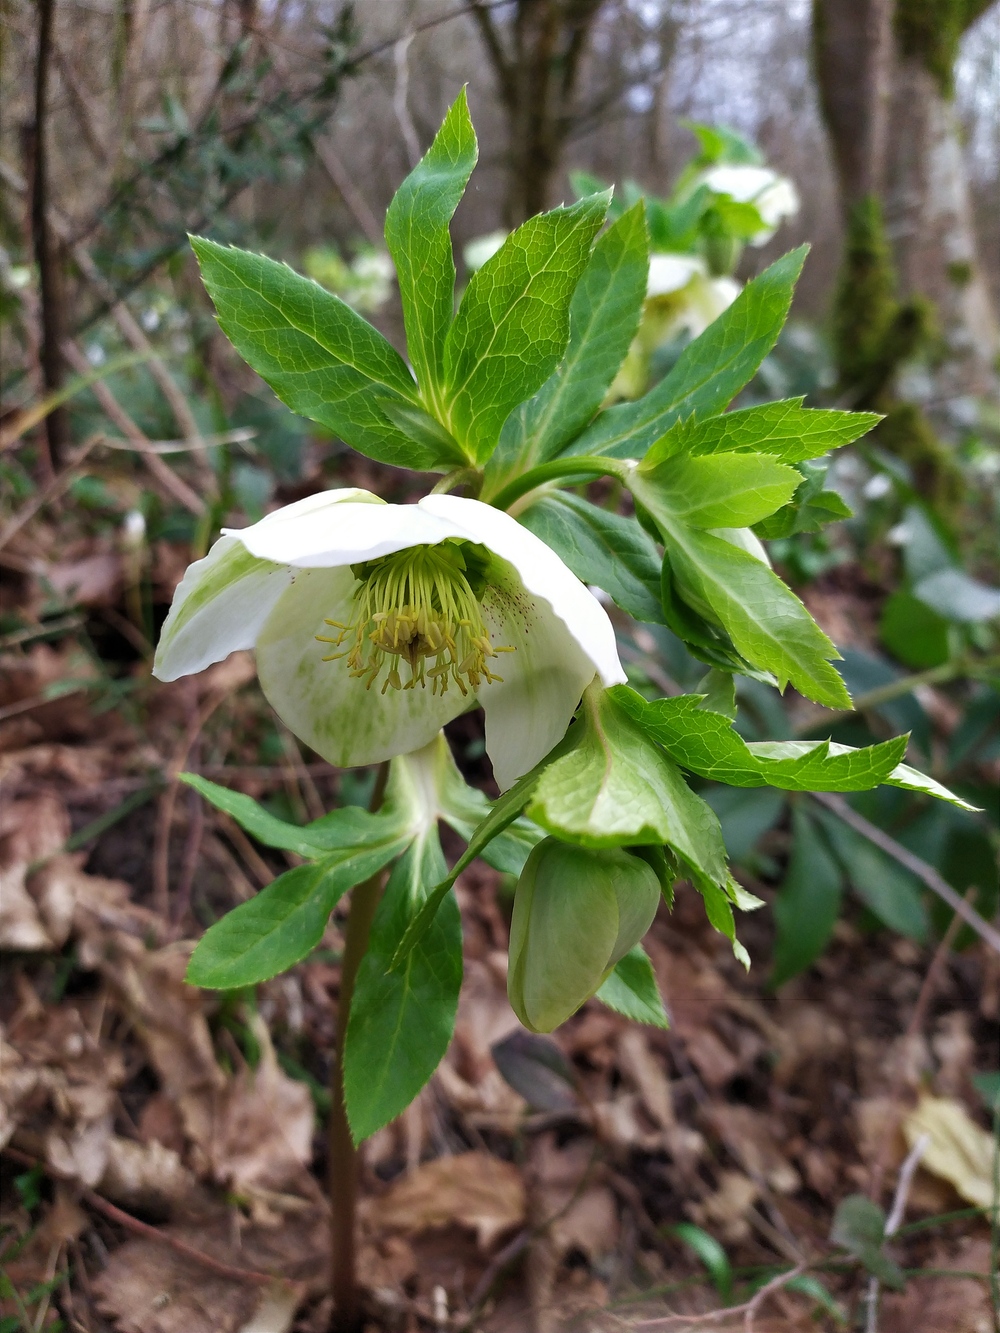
(163, 1148)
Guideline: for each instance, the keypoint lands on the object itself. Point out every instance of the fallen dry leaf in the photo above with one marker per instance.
(748, 1136)
(473, 1190)
(959, 1151)
(724, 1212)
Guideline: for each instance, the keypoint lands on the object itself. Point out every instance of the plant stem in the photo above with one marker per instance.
(344, 1161)
(580, 466)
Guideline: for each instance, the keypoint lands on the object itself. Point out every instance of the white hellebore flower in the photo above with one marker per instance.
(481, 248)
(375, 624)
(775, 197)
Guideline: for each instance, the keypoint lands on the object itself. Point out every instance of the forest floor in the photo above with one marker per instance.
(164, 1149)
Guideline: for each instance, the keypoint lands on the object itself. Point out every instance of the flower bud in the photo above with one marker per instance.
(577, 911)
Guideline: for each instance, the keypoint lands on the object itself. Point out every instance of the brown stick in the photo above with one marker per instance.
(924, 872)
(46, 255)
(344, 1162)
(130, 1223)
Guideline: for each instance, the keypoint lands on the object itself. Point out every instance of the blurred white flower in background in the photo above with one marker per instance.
(774, 197)
(481, 248)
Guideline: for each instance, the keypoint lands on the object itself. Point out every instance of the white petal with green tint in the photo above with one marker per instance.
(320, 702)
(220, 605)
(542, 573)
(528, 711)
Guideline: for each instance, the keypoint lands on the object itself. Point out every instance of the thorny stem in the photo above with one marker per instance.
(344, 1162)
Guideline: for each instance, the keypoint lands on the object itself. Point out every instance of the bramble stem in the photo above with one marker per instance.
(344, 1161)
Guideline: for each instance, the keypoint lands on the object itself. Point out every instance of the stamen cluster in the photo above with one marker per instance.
(418, 606)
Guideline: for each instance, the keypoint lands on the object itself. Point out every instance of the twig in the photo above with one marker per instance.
(924, 872)
(166, 476)
(400, 103)
(48, 492)
(351, 195)
(927, 988)
(46, 257)
(130, 1223)
(749, 1309)
(906, 1174)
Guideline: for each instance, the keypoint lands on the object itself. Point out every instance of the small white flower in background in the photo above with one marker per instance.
(477, 251)
(775, 197)
(376, 624)
(670, 273)
(133, 528)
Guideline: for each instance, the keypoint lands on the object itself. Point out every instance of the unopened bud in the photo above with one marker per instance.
(577, 912)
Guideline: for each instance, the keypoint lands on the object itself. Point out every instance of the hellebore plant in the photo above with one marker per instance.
(375, 624)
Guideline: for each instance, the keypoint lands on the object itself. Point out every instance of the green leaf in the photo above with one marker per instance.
(806, 1284)
(602, 548)
(785, 429)
(882, 884)
(859, 1226)
(711, 1254)
(808, 902)
(513, 324)
(710, 371)
(914, 634)
(767, 623)
(416, 232)
(613, 787)
(402, 1021)
(810, 509)
(345, 828)
(902, 775)
(706, 743)
(603, 318)
(464, 808)
(631, 990)
(317, 354)
(502, 814)
(418, 426)
(718, 491)
(953, 594)
(284, 922)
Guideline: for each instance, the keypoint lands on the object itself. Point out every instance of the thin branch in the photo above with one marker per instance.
(165, 475)
(904, 857)
(46, 257)
(351, 195)
(400, 99)
(130, 1223)
(906, 1174)
(503, 66)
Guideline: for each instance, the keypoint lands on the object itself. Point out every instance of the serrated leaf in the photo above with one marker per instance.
(601, 548)
(710, 371)
(402, 1021)
(317, 354)
(613, 787)
(706, 743)
(416, 232)
(718, 491)
(631, 990)
(859, 1226)
(785, 429)
(513, 324)
(902, 775)
(344, 828)
(808, 902)
(767, 623)
(284, 922)
(603, 317)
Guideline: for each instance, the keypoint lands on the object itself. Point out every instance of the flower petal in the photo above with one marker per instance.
(542, 573)
(320, 701)
(220, 605)
(543, 679)
(342, 528)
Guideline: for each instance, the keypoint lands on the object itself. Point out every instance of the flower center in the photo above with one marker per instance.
(419, 606)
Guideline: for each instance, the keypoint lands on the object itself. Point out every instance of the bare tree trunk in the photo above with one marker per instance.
(929, 223)
(884, 72)
(852, 46)
(536, 62)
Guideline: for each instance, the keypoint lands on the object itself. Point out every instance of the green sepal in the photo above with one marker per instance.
(631, 990)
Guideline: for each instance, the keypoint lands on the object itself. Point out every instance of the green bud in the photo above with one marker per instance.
(577, 911)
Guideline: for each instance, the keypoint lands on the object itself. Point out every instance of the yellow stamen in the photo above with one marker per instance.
(417, 606)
